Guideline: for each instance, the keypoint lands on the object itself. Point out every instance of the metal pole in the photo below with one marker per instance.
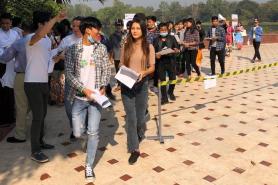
(159, 135)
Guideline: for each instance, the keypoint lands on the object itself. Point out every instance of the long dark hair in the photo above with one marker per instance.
(129, 49)
(193, 27)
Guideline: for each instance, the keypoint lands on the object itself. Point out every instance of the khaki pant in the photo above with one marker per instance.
(22, 107)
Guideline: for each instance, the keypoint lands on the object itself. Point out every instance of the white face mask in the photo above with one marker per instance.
(163, 35)
(92, 40)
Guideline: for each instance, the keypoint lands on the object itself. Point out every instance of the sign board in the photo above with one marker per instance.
(210, 82)
(128, 17)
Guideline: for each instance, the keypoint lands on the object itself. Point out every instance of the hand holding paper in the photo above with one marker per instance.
(166, 51)
(127, 76)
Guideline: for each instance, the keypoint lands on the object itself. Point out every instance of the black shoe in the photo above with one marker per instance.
(14, 140)
(89, 174)
(172, 97)
(45, 146)
(72, 137)
(133, 157)
(164, 101)
(253, 61)
(39, 157)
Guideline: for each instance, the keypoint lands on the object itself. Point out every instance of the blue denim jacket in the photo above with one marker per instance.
(258, 33)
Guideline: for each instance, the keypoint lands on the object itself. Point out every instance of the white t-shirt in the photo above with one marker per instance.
(68, 41)
(7, 38)
(213, 35)
(38, 58)
(88, 69)
(254, 32)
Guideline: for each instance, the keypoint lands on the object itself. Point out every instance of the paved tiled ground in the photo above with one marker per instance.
(231, 140)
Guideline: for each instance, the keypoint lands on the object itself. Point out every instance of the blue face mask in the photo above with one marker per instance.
(163, 35)
(92, 40)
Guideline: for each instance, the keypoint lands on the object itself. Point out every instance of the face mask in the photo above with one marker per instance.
(92, 40)
(163, 34)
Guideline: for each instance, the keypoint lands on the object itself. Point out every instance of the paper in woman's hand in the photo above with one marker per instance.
(127, 76)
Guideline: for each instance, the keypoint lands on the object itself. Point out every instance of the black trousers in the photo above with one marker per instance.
(180, 63)
(156, 75)
(190, 57)
(221, 58)
(37, 95)
(169, 68)
(256, 46)
(7, 103)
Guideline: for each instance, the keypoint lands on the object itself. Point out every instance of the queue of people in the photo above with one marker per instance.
(83, 60)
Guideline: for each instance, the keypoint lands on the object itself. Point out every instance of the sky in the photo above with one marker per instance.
(152, 3)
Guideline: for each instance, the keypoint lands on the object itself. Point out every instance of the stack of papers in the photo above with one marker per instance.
(166, 51)
(102, 100)
(127, 76)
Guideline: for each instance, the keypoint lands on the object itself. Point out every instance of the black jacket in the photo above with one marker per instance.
(170, 43)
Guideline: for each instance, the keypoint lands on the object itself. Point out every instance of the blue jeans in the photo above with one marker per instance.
(135, 104)
(68, 104)
(80, 109)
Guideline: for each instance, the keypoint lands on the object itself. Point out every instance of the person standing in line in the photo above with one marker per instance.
(152, 34)
(229, 37)
(7, 105)
(180, 61)
(138, 55)
(256, 34)
(217, 44)
(17, 50)
(191, 44)
(239, 33)
(38, 48)
(152, 29)
(202, 35)
(166, 63)
(87, 72)
(115, 40)
(66, 42)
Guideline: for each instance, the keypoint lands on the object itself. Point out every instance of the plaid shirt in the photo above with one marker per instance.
(221, 38)
(72, 68)
(192, 37)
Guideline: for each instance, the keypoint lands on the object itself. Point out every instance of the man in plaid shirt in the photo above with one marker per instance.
(87, 72)
(217, 44)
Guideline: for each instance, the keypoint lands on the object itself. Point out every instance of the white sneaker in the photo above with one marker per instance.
(89, 173)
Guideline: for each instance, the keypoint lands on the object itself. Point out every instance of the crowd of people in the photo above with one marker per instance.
(82, 67)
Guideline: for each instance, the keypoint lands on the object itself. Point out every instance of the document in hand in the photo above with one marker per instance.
(210, 82)
(127, 76)
(102, 100)
(166, 51)
(51, 63)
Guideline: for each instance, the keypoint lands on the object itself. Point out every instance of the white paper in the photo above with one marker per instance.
(127, 76)
(177, 38)
(51, 63)
(210, 82)
(102, 100)
(166, 51)
(8, 78)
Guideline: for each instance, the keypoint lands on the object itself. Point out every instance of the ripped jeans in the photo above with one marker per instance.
(80, 108)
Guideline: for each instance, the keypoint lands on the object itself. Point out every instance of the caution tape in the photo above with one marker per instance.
(229, 74)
